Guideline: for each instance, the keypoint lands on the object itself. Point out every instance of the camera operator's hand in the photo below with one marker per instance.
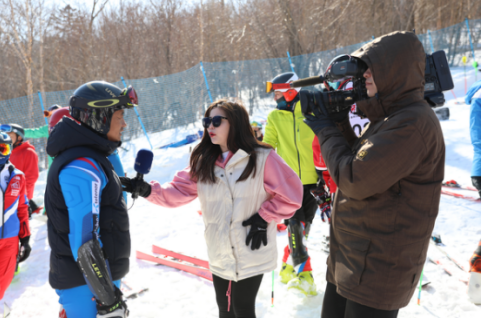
(319, 119)
(341, 116)
(136, 185)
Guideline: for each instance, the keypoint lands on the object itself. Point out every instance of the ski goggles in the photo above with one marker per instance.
(5, 149)
(6, 128)
(216, 120)
(126, 99)
(9, 128)
(271, 87)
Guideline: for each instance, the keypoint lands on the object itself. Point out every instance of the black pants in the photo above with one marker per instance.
(308, 208)
(336, 306)
(243, 296)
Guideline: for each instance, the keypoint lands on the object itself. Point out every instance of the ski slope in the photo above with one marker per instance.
(173, 293)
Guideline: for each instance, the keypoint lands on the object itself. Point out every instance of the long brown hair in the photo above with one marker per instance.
(240, 136)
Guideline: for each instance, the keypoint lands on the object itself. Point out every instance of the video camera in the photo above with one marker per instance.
(345, 68)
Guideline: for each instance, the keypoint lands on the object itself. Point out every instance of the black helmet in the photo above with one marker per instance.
(284, 78)
(94, 103)
(5, 147)
(18, 130)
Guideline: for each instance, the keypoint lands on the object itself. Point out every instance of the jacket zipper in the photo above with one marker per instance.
(296, 145)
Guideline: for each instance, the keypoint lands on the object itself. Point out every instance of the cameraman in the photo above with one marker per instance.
(389, 183)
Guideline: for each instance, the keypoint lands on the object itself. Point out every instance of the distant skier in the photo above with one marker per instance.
(25, 159)
(389, 182)
(292, 138)
(242, 186)
(88, 223)
(14, 226)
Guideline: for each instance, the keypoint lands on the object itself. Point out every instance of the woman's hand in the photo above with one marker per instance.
(257, 233)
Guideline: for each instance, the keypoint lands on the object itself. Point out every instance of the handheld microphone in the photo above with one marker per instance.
(309, 81)
(142, 166)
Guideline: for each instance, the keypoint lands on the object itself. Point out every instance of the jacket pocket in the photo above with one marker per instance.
(350, 259)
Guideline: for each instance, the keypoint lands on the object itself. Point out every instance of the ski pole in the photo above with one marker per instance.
(272, 288)
(420, 289)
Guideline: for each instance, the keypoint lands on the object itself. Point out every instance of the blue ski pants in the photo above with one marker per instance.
(77, 302)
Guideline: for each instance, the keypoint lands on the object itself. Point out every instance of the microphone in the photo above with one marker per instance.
(309, 81)
(142, 166)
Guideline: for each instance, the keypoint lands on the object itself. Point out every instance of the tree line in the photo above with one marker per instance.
(52, 47)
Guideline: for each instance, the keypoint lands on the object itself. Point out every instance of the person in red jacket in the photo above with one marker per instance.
(14, 226)
(25, 159)
(325, 191)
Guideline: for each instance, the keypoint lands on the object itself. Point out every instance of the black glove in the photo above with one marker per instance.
(341, 116)
(23, 255)
(117, 309)
(136, 185)
(319, 119)
(257, 233)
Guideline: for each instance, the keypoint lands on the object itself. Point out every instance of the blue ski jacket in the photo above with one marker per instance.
(473, 99)
(84, 200)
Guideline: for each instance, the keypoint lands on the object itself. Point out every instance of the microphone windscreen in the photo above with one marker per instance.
(309, 81)
(143, 161)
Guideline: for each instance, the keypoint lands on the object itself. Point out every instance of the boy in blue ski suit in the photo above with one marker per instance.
(86, 205)
(473, 99)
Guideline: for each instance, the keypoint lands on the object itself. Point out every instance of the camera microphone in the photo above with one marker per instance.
(309, 81)
(142, 166)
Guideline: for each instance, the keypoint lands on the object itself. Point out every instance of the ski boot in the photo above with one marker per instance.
(474, 279)
(287, 273)
(303, 283)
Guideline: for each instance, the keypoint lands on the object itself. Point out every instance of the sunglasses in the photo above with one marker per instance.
(216, 120)
(5, 149)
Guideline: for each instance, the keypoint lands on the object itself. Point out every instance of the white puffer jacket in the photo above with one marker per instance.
(225, 205)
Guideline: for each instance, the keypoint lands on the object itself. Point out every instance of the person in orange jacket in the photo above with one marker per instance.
(14, 225)
(25, 159)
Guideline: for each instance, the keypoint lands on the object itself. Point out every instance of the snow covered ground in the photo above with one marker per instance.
(173, 293)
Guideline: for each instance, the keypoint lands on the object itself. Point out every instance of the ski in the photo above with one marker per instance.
(460, 196)
(448, 271)
(196, 261)
(201, 272)
(454, 185)
(437, 241)
(6, 310)
(131, 292)
(437, 262)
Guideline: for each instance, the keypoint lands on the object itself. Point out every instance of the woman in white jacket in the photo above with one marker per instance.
(244, 189)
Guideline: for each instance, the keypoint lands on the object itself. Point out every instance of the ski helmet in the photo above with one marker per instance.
(18, 130)
(95, 102)
(57, 115)
(5, 148)
(285, 78)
